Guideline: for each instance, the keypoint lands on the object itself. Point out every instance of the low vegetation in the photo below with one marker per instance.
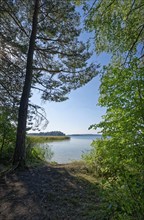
(43, 139)
(34, 153)
(120, 178)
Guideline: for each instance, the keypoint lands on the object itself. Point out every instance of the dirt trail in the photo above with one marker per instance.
(58, 192)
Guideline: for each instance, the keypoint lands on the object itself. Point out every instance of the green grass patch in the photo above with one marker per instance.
(44, 139)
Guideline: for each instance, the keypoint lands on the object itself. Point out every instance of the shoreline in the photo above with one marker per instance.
(43, 139)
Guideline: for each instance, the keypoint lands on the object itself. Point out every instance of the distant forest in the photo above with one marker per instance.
(51, 133)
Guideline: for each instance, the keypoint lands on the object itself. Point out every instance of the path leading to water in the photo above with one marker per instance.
(49, 192)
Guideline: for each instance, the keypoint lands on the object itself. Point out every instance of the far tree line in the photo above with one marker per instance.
(50, 133)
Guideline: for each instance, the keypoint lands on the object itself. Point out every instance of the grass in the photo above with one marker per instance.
(44, 139)
(92, 206)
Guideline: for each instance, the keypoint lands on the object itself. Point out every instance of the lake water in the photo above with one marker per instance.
(68, 150)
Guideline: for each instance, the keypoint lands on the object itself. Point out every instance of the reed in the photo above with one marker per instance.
(43, 139)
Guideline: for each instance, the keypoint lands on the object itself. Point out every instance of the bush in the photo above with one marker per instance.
(121, 179)
(35, 153)
(7, 137)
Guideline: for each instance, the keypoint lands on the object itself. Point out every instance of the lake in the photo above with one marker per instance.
(69, 150)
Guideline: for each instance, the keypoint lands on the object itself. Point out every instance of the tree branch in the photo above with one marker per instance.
(132, 46)
(55, 52)
(50, 39)
(16, 20)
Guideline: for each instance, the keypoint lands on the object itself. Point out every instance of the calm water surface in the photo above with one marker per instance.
(69, 150)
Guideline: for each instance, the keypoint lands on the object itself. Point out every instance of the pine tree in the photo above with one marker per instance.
(45, 35)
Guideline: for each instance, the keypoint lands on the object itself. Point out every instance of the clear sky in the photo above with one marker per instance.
(75, 115)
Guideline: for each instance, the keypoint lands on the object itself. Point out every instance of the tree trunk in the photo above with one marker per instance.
(19, 154)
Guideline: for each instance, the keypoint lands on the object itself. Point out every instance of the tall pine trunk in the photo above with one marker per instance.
(20, 154)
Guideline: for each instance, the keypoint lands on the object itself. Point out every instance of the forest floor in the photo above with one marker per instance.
(50, 192)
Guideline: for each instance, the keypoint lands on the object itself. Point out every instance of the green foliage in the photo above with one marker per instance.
(35, 153)
(121, 180)
(7, 135)
(60, 62)
(118, 25)
(118, 157)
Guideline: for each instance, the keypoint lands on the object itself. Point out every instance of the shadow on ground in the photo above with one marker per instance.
(48, 192)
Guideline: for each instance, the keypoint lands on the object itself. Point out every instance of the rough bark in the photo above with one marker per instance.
(19, 154)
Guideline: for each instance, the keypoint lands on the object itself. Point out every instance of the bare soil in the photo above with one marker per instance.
(55, 192)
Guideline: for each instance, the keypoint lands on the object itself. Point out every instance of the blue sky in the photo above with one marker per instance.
(75, 115)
